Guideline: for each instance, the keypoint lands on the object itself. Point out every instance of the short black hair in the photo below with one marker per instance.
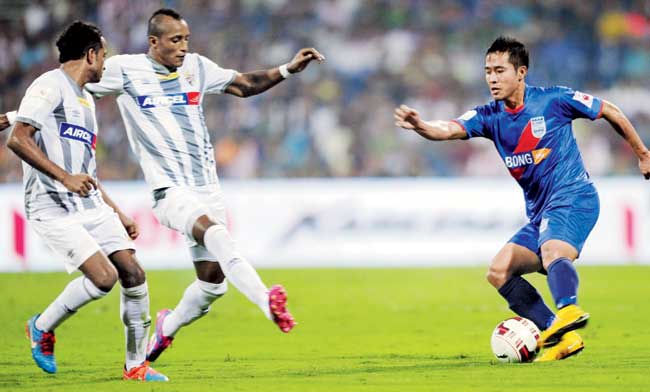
(153, 27)
(517, 52)
(75, 41)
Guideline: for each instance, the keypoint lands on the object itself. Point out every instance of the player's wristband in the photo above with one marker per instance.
(11, 117)
(284, 71)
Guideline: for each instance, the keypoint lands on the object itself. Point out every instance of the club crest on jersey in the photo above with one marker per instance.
(538, 126)
(166, 100)
(80, 134)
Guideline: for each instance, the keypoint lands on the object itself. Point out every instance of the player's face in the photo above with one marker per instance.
(97, 65)
(501, 76)
(171, 47)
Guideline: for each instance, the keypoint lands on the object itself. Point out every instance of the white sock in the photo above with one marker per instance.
(238, 271)
(134, 310)
(76, 294)
(195, 304)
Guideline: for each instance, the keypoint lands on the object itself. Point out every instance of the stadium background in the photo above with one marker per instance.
(319, 158)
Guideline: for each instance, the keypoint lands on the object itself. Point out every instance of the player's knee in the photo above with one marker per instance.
(134, 275)
(496, 276)
(498, 273)
(106, 280)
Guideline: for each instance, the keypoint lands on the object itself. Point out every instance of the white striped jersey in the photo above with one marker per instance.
(163, 115)
(64, 116)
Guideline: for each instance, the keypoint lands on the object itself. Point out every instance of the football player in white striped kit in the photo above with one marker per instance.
(160, 99)
(55, 134)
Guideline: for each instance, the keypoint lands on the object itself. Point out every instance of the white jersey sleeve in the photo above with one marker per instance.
(217, 79)
(112, 82)
(40, 100)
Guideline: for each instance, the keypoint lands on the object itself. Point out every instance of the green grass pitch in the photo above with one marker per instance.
(359, 330)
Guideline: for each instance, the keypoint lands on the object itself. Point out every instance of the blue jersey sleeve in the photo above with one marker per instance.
(474, 122)
(576, 104)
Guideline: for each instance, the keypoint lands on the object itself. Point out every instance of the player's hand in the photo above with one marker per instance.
(131, 226)
(4, 122)
(80, 184)
(303, 58)
(407, 118)
(644, 165)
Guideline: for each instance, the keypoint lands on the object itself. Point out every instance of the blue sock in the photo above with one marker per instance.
(524, 300)
(563, 282)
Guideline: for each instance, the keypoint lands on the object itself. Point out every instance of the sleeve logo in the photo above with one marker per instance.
(585, 99)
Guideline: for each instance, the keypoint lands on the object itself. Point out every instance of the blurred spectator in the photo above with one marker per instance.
(336, 119)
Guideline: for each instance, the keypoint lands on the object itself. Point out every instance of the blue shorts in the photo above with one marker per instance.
(569, 218)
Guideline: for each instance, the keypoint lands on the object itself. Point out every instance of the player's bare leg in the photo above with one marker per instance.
(99, 277)
(504, 274)
(134, 312)
(241, 274)
(557, 258)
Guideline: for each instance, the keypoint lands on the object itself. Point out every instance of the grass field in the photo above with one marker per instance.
(360, 330)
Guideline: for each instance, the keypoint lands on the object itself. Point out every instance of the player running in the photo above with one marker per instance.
(531, 129)
(55, 136)
(160, 99)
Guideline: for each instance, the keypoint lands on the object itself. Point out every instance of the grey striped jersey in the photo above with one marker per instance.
(64, 116)
(163, 115)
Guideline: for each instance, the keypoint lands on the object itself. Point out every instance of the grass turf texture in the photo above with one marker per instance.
(359, 330)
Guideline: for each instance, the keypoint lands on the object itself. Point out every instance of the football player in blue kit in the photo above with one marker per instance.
(531, 129)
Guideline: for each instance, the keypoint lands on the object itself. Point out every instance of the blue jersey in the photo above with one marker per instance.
(536, 141)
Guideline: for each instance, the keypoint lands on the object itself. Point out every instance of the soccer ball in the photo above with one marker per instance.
(515, 340)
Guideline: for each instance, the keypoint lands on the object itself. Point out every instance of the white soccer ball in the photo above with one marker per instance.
(515, 340)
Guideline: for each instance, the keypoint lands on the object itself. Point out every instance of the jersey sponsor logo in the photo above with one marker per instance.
(585, 99)
(80, 134)
(468, 115)
(527, 158)
(166, 100)
(538, 126)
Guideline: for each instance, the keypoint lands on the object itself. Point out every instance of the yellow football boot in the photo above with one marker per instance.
(567, 319)
(570, 344)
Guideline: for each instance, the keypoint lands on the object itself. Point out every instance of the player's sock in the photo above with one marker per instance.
(195, 304)
(134, 309)
(524, 300)
(238, 271)
(563, 282)
(76, 294)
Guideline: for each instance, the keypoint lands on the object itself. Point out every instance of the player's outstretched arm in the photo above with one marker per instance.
(252, 83)
(409, 118)
(21, 142)
(129, 224)
(624, 127)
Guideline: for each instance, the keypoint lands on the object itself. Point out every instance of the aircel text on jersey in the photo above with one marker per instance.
(75, 132)
(165, 100)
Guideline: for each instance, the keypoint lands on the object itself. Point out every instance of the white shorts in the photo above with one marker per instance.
(80, 235)
(179, 207)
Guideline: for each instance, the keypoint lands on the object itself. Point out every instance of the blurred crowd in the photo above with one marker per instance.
(336, 118)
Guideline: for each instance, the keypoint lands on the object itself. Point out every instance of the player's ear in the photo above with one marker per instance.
(522, 71)
(153, 40)
(91, 56)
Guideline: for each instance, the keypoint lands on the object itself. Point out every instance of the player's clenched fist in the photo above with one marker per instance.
(303, 58)
(81, 184)
(407, 118)
(4, 122)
